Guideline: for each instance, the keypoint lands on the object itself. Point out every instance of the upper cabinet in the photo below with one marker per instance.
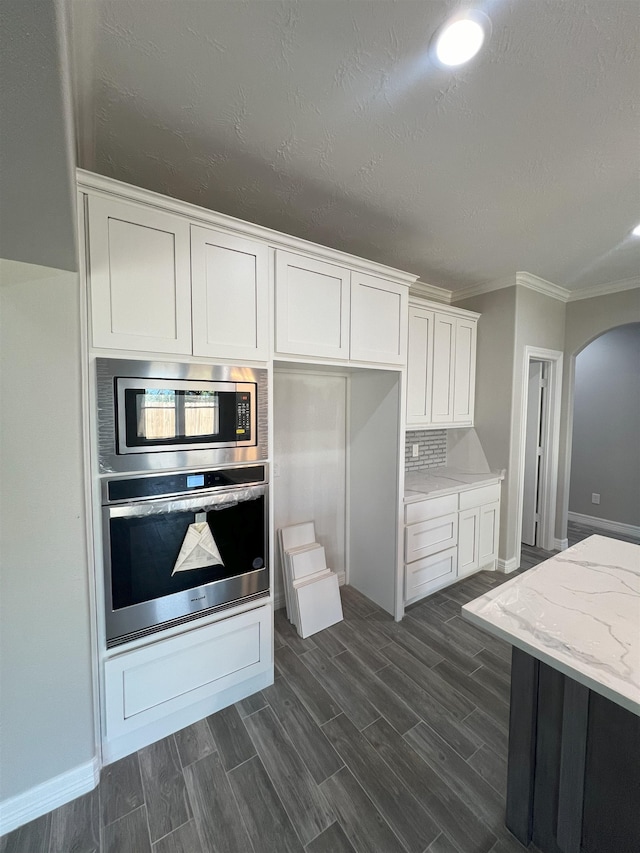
(312, 307)
(140, 277)
(229, 295)
(326, 311)
(159, 284)
(168, 277)
(441, 366)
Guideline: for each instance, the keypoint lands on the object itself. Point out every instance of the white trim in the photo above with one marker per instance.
(508, 566)
(451, 310)
(604, 524)
(482, 288)
(422, 290)
(279, 600)
(49, 795)
(108, 187)
(560, 544)
(605, 289)
(534, 282)
(551, 441)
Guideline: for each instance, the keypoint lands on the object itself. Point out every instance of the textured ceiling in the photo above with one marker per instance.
(325, 119)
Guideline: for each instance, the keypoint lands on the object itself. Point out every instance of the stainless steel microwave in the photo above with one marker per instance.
(157, 415)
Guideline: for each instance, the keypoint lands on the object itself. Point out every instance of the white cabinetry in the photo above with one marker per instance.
(151, 683)
(159, 284)
(330, 312)
(140, 277)
(229, 295)
(312, 307)
(448, 537)
(440, 366)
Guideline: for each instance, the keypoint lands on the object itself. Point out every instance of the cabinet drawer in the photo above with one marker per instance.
(431, 573)
(430, 536)
(478, 497)
(149, 683)
(431, 508)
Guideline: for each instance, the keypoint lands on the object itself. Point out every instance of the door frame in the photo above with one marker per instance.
(551, 441)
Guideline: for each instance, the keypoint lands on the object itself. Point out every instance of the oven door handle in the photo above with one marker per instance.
(193, 503)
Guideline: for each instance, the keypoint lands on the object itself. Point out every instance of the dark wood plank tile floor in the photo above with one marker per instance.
(376, 737)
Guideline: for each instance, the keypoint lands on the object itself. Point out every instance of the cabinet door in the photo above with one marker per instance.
(444, 335)
(378, 320)
(425, 576)
(139, 272)
(468, 541)
(464, 375)
(312, 307)
(419, 366)
(230, 295)
(489, 534)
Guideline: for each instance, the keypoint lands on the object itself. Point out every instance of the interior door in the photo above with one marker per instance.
(532, 453)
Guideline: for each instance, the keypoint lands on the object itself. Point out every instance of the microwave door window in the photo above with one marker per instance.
(201, 413)
(156, 417)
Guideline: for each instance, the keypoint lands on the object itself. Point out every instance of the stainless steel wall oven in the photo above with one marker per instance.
(180, 545)
(163, 415)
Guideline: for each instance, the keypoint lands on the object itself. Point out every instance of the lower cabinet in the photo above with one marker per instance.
(448, 537)
(151, 683)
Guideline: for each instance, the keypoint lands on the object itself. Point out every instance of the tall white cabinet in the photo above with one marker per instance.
(441, 366)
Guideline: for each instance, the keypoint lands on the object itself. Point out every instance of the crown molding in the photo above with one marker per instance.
(96, 184)
(429, 291)
(482, 288)
(605, 289)
(534, 282)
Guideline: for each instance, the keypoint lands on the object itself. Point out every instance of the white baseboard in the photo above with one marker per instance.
(508, 566)
(279, 600)
(604, 524)
(43, 798)
(560, 544)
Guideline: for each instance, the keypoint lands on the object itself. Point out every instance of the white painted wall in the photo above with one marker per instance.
(605, 456)
(46, 701)
(310, 459)
(586, 319)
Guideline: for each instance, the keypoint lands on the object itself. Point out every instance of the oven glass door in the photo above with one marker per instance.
(167, 559)
(177, 414)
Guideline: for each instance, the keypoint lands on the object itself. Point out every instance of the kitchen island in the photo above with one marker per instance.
(573, 781)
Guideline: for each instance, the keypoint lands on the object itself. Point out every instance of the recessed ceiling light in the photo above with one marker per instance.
(461, 38)
(636, 231)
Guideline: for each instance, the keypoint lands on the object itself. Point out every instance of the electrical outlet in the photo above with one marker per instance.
(276, 469)
(595, 498)
(415, 450)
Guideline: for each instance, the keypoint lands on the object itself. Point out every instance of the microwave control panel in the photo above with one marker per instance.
(243, 415)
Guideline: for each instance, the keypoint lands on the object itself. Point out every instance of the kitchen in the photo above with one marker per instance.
(41, 321)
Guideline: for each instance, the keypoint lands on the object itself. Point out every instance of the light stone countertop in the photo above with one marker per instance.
(579, 612)
(433, 482)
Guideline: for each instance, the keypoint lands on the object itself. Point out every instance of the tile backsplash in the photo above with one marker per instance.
(432, 449)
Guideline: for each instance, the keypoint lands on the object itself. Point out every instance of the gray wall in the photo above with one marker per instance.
(605, 455)
(37, 179)
(586, 320)
(46, 701)
(494, 381)
(540, 323)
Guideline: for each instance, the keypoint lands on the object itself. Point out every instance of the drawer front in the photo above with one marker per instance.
(431, 573)
(478, 497)
(149, 683)
(431, 536)
(430, 508)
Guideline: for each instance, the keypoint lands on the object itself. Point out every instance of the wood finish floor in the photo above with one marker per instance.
(375, 737)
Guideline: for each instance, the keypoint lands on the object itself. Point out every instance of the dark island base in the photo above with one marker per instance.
(573, 782)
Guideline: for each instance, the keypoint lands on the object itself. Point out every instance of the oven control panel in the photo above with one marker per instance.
(156, 486)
